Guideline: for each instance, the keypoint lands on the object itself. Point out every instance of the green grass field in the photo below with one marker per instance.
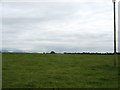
(58, 71)
(0, 70)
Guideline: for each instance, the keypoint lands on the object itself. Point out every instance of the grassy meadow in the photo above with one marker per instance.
(0, 70)
(22, 70)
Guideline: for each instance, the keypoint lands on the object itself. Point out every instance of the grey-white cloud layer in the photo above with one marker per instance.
(58, 26)
(119, 26)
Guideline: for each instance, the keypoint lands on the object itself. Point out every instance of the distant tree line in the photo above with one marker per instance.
(91, 53)
(53, 52)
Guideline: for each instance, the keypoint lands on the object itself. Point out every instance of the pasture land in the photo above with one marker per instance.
(0, 70)
(22, 70)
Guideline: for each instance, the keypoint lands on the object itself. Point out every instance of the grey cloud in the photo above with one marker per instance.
(43, 27)
(119, 26)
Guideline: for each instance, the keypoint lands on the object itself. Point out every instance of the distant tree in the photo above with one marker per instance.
(52, 52)
(44, 53)
(65, 53)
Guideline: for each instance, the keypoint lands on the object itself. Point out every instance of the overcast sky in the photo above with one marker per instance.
(59, 25)
(119, 26)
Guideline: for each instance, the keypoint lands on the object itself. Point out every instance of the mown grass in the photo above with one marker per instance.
(58, 71)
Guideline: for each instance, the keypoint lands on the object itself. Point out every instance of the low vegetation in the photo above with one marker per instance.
(22, 70)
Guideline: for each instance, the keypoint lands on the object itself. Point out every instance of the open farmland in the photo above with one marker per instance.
(22, 70)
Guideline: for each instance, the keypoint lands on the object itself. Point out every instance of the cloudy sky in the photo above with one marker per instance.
(119, 26)
(59, 25)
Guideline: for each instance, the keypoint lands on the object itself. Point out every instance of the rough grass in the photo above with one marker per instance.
(58, 71)
(0, 70)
